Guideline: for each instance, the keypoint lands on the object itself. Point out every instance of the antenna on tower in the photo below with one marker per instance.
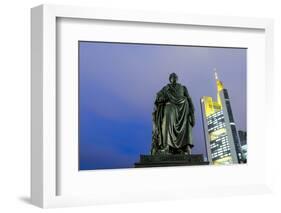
(216, 74)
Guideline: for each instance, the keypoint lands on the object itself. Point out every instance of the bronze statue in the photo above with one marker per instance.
(173, 119)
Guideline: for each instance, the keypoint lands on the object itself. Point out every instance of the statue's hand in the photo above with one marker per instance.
(161, 99)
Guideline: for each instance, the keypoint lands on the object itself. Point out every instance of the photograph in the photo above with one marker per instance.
(158, 105)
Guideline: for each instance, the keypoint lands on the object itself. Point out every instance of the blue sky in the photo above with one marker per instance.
(117, 87)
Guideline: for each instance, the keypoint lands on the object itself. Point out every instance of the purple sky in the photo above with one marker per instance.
(118, 84)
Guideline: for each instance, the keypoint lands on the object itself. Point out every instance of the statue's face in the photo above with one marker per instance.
(173, 79)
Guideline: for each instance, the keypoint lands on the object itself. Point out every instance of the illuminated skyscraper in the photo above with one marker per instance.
(222, 141)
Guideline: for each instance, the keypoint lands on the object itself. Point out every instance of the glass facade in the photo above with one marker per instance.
(219, 143)
(233, 127)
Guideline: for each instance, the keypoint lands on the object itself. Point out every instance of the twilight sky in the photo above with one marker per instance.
(118, 84)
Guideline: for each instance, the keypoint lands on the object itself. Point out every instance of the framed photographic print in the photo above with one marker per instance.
(133, 106)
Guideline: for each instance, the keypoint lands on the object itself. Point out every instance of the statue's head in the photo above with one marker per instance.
(173, 78)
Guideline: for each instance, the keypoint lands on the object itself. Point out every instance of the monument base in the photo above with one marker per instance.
(162, 160)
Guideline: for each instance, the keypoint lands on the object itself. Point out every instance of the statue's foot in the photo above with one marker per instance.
(165, 151)
(188, 150)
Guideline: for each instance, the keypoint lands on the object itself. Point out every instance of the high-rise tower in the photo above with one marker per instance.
(222, 141)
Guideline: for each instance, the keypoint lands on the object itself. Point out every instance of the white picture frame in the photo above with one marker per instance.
(45, 167)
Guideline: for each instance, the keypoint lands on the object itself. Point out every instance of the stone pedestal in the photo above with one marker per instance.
(162, 160)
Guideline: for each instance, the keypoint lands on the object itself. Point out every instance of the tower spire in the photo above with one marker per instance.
(216, 74)
(219, 86)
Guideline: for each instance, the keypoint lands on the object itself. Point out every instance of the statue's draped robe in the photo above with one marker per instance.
(173, 118)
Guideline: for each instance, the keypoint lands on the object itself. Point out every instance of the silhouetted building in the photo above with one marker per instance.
(243, 142)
